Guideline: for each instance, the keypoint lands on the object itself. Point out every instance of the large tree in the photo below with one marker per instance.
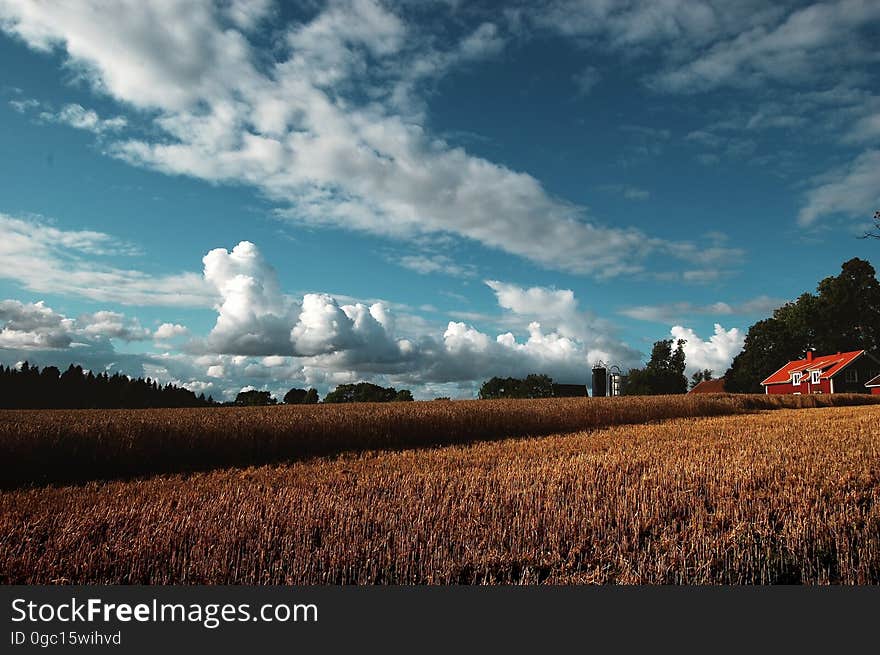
(843, 315)
(663, 374)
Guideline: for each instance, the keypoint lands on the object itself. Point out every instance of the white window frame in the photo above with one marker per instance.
(815, 377)
(796, 378)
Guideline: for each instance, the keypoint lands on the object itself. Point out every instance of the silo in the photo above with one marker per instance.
(616, 380)
(600, 380)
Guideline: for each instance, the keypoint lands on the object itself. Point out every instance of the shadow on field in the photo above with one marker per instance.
(40, 447)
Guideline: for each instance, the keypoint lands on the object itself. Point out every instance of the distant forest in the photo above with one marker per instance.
(32, 388)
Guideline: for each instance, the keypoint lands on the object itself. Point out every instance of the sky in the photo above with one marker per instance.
(231, 195)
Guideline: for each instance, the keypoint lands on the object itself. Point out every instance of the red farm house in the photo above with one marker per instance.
(840, 373)
(874, 385)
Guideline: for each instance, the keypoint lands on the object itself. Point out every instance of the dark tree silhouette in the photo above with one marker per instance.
(663, 374)
(365, 392)
(701, 376)
(255, 397)
(301, 397)
(533, 386)
(875, 233)
(30, 388)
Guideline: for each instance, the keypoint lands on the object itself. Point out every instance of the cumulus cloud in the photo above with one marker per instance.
(113, 325)
(253, 316)
(298, 129)
(260, 332)
(170, 331)
(33, 326)
(716, 353)
(266, 339)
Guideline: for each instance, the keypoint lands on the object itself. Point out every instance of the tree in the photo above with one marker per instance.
(875, 233)
(533, 386)
(663, 374)
(366, 392)
(295, 397)
(536, 386)
(29, 387)
(311, 397)
(254, 397)
(701, 376)
(843, 315)
(404, 395)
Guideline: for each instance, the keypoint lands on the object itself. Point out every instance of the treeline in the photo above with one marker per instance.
(29, 387)
(362, 392)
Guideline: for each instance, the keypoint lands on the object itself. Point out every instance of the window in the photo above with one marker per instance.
(852, 375)
(815, 376)
(796, 378)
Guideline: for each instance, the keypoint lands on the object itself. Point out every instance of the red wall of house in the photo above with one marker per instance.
(875, 391)
(824, 386)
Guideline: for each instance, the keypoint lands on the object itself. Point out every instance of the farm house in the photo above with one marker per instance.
(838, 373)
(874, 385)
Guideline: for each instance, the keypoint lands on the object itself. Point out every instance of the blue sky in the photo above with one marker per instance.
(422, 194)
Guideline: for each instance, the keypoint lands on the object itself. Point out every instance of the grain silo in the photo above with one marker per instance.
(600, 380)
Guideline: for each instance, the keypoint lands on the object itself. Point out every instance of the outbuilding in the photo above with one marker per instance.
(709, 386)
(874, 385)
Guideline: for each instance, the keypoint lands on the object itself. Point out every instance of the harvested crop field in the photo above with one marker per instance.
(786, 496)
(61, 446)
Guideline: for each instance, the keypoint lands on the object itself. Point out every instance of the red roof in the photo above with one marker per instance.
(830, 365)
(709, 386)
(873, 382)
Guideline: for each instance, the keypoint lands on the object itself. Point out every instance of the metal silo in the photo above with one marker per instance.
(600, 380)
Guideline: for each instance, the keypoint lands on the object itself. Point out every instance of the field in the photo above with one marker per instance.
(58, 446)
(784, 496)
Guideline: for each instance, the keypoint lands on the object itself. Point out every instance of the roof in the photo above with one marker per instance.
(709, 386)
(873, 382)
(830, 365)
(569, 390)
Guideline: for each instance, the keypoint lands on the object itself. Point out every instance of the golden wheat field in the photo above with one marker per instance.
(786, 496)
(55, 446)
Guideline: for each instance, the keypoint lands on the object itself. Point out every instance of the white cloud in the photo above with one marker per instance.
(84, 119)
(298, 128)
(254, 317)
(854, 190)
(170, 331)
(113, 325)
(261, 332)
(46, 259)
(33, 326)
(806, 43)
(716, 353)
(426, 264)
(672, 312)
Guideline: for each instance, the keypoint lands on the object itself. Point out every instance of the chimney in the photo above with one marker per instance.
(809, 355)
